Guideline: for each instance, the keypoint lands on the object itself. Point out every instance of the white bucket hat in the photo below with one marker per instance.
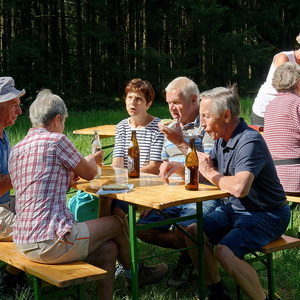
(8, 90)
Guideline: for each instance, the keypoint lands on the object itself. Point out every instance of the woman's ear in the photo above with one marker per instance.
(57, 120)
(149, 105)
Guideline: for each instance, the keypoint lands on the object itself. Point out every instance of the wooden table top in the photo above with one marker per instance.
(149, 190)
(104, 130)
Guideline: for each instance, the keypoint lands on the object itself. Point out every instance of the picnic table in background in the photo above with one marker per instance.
(105, 131)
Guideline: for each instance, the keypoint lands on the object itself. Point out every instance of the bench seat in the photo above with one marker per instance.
(60, 275)
(265, 256)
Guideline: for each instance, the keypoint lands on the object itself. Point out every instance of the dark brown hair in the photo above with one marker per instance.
(143, 86)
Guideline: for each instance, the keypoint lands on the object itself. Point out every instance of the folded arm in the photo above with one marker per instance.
(237, 185)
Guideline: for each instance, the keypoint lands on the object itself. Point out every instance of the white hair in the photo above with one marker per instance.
(45, 107)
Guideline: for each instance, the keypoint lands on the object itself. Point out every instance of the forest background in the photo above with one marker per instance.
(87, 50)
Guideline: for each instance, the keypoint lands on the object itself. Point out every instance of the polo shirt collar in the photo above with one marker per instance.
(235, 136)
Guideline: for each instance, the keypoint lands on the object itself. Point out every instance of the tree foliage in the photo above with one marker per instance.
(86, 50)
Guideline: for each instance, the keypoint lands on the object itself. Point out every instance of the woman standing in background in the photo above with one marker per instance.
(267, 92)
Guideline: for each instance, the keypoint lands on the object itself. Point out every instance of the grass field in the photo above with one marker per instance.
(286, 265)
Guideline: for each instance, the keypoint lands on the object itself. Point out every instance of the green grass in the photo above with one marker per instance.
(286, 264)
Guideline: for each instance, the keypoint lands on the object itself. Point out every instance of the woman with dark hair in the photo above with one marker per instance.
(139, 96)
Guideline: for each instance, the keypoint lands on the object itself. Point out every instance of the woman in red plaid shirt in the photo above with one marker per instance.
(42, 167)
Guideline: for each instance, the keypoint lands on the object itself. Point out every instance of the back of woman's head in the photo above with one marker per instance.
(143, 86)
(286, 77)
(45, 107)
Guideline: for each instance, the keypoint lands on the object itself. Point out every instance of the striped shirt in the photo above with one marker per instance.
(203, 142)
(150, 140)
(40, 168)
(282, 135)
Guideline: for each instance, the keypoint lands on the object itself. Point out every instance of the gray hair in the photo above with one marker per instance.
(186, 85)
(286, 77)
(45, 107)
(224, 98)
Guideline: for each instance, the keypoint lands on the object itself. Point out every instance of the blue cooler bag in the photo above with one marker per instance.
(84, 206)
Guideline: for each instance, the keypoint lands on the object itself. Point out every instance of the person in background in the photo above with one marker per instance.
(282, 127)
(182, 97)
(139, 96)
(10, 277)
(45, 230)
(257, 212)
(267, 92)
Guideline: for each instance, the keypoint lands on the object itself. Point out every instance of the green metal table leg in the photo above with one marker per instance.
(270, 276)
(201, 270)
(37, 288)
(133, 251)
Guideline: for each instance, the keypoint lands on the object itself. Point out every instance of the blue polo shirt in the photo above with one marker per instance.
(4, 155)
(246, 150)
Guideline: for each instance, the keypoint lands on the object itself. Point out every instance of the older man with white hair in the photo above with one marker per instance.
(10, 108)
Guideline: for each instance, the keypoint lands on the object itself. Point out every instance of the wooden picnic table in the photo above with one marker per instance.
(105, 131)
(150, 191)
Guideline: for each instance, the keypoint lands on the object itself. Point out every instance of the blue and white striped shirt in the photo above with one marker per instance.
(150, 140)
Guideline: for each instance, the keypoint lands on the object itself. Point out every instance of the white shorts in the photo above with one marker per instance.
(72, 246)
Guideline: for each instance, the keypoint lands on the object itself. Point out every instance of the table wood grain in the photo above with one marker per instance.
(149, 190)
(105, 131)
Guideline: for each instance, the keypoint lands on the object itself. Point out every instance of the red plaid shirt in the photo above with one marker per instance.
(40, 168)
(282, 135)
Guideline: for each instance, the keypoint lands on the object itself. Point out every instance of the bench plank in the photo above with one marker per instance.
(282, 243)
(294, 199)
(61, 275)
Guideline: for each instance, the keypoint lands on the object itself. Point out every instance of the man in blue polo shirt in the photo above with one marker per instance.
(257, 212)
(10, 108)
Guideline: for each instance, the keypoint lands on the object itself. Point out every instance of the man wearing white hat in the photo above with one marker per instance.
(9, 111)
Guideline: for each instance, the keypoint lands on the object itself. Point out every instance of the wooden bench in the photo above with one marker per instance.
(63, 275)
(265, 256)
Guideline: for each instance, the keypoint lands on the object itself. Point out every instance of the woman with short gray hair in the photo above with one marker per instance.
(42, 167)
(45, 107)
(286, 78)
(282, 126)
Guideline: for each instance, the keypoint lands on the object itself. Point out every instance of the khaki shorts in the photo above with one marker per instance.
(72, 246)
(7, 220)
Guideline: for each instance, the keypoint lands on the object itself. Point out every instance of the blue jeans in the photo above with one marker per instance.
(245, 231)
(180, 211)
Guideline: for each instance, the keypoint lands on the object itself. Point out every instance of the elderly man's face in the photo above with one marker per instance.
(9, 112)
(213, 124)
(180, 108)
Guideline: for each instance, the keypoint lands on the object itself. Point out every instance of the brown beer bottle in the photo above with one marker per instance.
(191, 169)
(133, 157)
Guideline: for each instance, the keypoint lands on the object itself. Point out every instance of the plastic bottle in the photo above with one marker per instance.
(96, 146)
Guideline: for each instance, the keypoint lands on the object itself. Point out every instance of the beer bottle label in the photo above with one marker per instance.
(130, 164)
(130, 144)
(187, 175)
